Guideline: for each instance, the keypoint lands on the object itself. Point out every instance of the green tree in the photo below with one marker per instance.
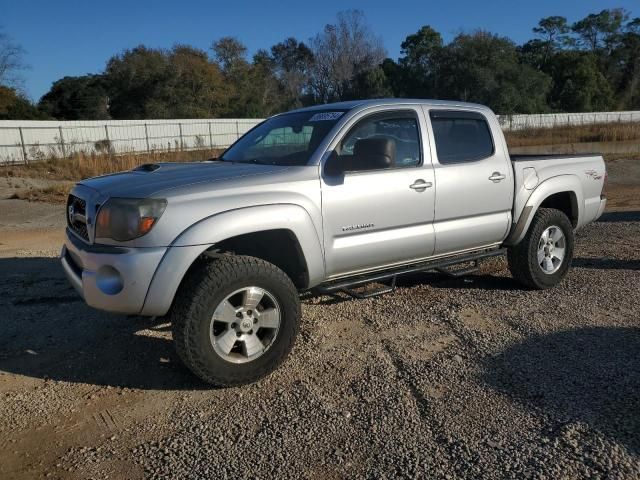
(395, 75)
(598, 30)
(263, 92)
(371, 83)
(535, 53)
(420, 62)
(292, 65)
(593, 64)
(578, 83)
(15, 106)
(155, 83)
(633, 26)
(553, 32)
(230, 53)
(483, 67)
(249, 87)
(196, 86)
(77, 98)
(135, 80)
(624, 70)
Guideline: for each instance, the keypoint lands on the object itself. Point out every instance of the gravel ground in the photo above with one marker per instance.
(444, 378)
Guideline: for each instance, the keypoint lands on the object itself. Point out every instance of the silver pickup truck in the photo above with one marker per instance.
(324, 199)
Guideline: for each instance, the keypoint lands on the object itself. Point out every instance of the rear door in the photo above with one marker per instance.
(474, 180)
(378, 218)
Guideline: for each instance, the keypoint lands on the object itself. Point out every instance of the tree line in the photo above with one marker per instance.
(590, 65)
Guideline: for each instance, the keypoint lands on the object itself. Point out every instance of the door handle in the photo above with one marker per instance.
(420, 185)
(497, 177)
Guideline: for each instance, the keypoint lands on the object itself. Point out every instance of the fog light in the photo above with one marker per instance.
(109, 280)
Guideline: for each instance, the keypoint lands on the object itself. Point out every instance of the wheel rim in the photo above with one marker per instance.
(245, 324)
(551, 249)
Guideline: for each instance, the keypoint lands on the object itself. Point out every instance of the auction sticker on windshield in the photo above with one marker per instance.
(319, 117)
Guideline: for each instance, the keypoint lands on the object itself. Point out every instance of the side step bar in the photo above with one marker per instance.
(441, 265)
(459, 272)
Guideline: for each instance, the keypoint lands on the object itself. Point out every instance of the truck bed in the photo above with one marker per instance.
(552, 156)
(583, 175)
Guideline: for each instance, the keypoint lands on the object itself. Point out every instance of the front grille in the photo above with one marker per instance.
(76, 212)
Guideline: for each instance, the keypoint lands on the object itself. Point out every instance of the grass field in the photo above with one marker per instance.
(593, 133)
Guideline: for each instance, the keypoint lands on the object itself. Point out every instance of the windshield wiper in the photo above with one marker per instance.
(257, 161)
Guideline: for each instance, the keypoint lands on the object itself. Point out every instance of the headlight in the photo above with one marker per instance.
(124, 219)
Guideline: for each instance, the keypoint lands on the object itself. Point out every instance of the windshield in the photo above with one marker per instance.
(288, 139)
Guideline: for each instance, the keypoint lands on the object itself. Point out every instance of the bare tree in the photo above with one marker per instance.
(341, 52)
(10, 61)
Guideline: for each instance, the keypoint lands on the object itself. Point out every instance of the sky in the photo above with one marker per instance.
(68, 37)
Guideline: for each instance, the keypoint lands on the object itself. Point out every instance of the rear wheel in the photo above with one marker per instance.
(235, 319)
(543, 257)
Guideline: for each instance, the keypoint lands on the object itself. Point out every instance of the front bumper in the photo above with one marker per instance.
(115, 279)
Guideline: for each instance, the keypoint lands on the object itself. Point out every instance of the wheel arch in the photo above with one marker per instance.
(253, 231)
(563, 193)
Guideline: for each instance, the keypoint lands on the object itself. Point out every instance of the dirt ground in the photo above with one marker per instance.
(444, 378)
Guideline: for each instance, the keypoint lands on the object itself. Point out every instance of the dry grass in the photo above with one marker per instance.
(608, 132)
(52, 194)
(83, 165)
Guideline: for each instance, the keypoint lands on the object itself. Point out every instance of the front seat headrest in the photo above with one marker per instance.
(376, 152)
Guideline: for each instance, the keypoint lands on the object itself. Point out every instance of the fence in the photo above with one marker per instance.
(24, 141)
(550, 120)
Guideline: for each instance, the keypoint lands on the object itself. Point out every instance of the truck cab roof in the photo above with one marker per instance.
(378, 102)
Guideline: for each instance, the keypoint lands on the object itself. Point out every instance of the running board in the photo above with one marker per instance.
(347, 285)
(372, 293)
(459, 272)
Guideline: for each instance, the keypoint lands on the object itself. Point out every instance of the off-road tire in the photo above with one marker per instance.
(522, 258)
(205, 286)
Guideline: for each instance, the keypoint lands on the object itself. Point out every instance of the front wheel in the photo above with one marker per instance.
(235, 319)
(543, 257)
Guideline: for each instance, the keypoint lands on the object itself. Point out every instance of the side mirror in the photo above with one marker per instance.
(212, 159)
(333, 165)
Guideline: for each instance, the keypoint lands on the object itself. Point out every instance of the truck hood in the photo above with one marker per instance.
(152, 179)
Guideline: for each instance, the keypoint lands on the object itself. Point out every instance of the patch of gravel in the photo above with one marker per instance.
(444, 378)
(530, 385)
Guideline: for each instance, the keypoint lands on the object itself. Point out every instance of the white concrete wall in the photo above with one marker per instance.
(43, 139)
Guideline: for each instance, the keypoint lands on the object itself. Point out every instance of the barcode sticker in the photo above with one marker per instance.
(323, 116)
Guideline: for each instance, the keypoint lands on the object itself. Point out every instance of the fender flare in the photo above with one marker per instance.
(551, 186)
(202, 235)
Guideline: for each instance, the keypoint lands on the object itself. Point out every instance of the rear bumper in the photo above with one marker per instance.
(603, 204)
(114, 279)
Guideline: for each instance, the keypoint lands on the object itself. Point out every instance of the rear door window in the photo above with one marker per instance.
(461, 136)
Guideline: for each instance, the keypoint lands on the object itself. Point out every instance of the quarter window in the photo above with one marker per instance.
(461, 136)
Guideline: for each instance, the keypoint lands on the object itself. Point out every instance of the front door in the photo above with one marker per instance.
(381, 217)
